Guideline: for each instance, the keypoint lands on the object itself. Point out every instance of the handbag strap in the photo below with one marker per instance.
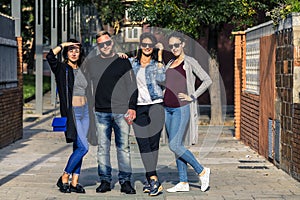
(67, 94)
(67, 88)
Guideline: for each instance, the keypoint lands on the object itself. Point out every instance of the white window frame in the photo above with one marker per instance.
(132, 34)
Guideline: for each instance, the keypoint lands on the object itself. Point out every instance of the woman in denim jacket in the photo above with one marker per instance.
(150, 73)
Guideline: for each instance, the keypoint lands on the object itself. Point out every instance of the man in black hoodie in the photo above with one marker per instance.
(114, 96)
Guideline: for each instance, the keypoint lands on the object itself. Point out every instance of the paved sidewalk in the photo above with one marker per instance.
(30, 167)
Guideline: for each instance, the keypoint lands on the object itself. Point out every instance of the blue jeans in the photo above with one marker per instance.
(105, 123)
(80, 146)
(177, 120)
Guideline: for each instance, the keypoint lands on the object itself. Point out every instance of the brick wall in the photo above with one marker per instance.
(250, 120)
(295, 170)
(295, 139)
(246, 107)
(11, 106)
(284, 85)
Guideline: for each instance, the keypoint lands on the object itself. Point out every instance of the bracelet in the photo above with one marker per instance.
(160, 61)
(61, 47)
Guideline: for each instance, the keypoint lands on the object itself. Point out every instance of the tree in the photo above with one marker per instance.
(5, 7)
(192, 18)
(27, 27)
(111, 12)
(282, 9)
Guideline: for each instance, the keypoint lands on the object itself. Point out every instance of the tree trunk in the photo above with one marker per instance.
(215, 89)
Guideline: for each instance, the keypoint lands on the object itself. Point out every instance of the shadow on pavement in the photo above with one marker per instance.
(29, 166)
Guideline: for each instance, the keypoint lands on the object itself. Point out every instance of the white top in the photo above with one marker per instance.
(144, 97)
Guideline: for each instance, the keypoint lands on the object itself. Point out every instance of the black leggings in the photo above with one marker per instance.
(147, 127)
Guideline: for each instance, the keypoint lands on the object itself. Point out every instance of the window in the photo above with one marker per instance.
(132, 34)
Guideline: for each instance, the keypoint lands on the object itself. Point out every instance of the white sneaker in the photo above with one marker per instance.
(180, 187)
(205, 180)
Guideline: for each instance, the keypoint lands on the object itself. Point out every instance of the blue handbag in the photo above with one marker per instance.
(60, 123)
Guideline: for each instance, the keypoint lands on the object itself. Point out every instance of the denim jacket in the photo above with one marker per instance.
(155, 77)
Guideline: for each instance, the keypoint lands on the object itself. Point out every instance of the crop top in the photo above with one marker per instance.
(80, 83)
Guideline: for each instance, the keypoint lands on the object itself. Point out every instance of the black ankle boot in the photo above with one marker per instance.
(63, 187)
(127, 188)
(103, 187)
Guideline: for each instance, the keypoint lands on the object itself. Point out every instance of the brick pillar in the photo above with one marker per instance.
(20, 65)
(295, 140)
(20, 83)
(239, 60)
(284, 87)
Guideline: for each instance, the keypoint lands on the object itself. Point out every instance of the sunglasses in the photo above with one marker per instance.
(107, 43)
(176, 45)
(144, 45)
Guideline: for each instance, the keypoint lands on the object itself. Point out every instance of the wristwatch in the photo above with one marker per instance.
(194, 98)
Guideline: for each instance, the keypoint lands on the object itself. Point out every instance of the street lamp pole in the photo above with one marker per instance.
(64, 22)
(54, 26)
(16, 13)
(39, 56)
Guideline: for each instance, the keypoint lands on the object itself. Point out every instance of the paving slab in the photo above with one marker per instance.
(30, 167)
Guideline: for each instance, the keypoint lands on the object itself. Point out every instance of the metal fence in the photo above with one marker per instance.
(8, 53)
(253, 36)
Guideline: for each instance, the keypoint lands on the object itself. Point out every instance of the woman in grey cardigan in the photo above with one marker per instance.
(180, 101)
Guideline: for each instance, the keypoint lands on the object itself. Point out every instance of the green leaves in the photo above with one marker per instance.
(110, 11)
(192, 16)
(282, 9)
(167, 14)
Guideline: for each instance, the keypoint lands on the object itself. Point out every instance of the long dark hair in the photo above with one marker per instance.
(154, 54)
(81, 54)
(177, 35)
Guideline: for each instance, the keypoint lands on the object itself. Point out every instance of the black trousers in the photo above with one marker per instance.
(147, 127)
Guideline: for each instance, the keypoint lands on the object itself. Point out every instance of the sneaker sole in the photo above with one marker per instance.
(133, 192)
(103, 191)
(208, 170)
(178, 191)
(146, 191)
(158, 191)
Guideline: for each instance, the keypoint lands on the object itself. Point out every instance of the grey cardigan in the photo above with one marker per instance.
(193, 70)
